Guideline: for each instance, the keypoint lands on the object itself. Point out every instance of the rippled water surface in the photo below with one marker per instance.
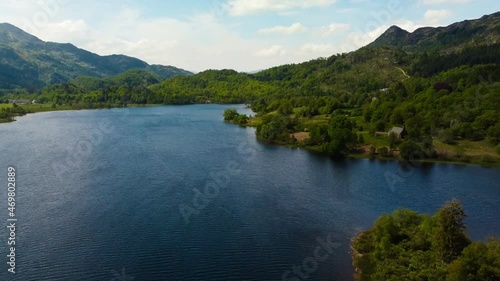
(100, 195)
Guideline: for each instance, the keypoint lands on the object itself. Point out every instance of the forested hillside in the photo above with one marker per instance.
(30, 63)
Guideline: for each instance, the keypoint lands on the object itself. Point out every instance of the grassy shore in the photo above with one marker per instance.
(463, 152)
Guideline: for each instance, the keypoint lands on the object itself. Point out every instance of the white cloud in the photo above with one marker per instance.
(247, 7)
(433, 17)
(287, 30)
(358, 39)
(273, 51)
(74, 31)
(334, 28)
(212, 40)
(318, 50)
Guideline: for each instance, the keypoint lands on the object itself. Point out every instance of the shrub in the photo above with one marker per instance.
(409, 149)
(446, 136)
(487, 159)
(384, 152)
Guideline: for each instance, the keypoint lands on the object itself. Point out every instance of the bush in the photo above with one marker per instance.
(446, 136)
(361, 139)
(487, 159)
(230, 114)
(242, 119)
(498, 149)
(409, 149)
(373, 150)
(380, 126)
(372, 131)
(384, 152)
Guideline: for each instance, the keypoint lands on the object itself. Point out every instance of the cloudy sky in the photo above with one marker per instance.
(245, 35)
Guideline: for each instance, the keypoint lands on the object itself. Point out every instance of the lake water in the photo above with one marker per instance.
(105, 205)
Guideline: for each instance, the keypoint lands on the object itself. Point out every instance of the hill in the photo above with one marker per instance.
(455, 37)
(28, 62)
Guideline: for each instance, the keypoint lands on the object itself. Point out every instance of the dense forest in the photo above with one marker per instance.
(406, 245)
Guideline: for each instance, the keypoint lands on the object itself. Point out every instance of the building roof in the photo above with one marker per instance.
(396, 130)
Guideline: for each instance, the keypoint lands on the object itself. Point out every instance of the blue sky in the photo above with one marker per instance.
(245, 35)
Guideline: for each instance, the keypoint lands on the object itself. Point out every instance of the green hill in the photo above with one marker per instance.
(30, 63)
(469, 33)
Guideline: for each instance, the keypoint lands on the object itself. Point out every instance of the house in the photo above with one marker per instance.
(401, 133)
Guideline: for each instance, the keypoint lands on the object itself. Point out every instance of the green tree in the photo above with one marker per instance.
(446, 136)
(428, 147)
(450, 236)
(394, 141)
(478, 262)
(409, 149)
(242, 119)
(286, 108)
(494, 133)
(342, 138)
(361, 139)
(230, 114)
(384, 152)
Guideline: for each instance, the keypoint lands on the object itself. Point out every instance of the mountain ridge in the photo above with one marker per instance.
(451, 38)
(29, 62)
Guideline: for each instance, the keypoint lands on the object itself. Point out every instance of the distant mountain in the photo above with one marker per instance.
(469, 33)
(28, 62)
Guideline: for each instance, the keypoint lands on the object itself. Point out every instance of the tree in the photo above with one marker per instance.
(286, 108)
(361, 139)
(478, 262)
(409, 149)
(380, 126)
(242, 119)
(276, 128)
(230, 114)
(394, 141)
(384, 152)
(494, 133)
(428, 147)
(342, 138)
(446, 136)
(450, 237)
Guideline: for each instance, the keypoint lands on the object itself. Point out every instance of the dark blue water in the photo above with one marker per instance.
(99, 197)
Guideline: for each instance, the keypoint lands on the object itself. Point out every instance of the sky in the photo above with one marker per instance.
(245, 35)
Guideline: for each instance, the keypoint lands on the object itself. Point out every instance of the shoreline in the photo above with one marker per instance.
(299, 145)
(68, 109)
(379, 158)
